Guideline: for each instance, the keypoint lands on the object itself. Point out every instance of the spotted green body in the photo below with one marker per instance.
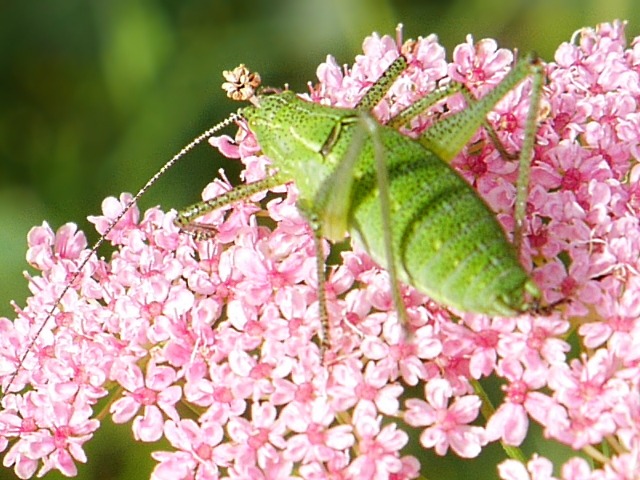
(445, 240)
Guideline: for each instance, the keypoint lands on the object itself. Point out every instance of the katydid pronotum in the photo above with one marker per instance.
(396, 195)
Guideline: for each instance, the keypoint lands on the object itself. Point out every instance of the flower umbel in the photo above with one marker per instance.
(228, 326)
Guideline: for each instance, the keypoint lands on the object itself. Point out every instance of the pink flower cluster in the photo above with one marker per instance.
(228, 326)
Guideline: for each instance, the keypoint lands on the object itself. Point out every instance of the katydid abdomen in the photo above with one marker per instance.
(446, 241)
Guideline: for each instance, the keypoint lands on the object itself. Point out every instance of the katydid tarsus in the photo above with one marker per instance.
(396, 195)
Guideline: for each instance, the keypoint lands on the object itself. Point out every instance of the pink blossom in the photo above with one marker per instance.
(54, 435)
(197, 454)
(314, 439)
(538, 468)
(448, 424)
(155, 394)
(258, 441)
(378, 447)
(354, 385)
(590, 392)
(511, 421)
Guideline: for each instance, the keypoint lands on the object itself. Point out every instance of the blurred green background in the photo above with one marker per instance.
(95, 95)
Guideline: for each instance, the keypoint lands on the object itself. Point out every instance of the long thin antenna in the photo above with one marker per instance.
(187, 148)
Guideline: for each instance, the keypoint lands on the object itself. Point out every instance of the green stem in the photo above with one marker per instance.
(487, 411)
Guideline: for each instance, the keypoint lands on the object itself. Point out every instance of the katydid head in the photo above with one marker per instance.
(282, 114)
(294, 124)
(293, 132)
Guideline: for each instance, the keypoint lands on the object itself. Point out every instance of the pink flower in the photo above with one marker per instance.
(590, 392)
(197, 454)
(258, 441)
(448, 424)
(354, 386)
(538, 343)
(314, 439)
(378, 447)
(52, 433)
(511, 421)
(155, 394)
(539, 468)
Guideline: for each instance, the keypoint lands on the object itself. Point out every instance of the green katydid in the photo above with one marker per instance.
(397, 196)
